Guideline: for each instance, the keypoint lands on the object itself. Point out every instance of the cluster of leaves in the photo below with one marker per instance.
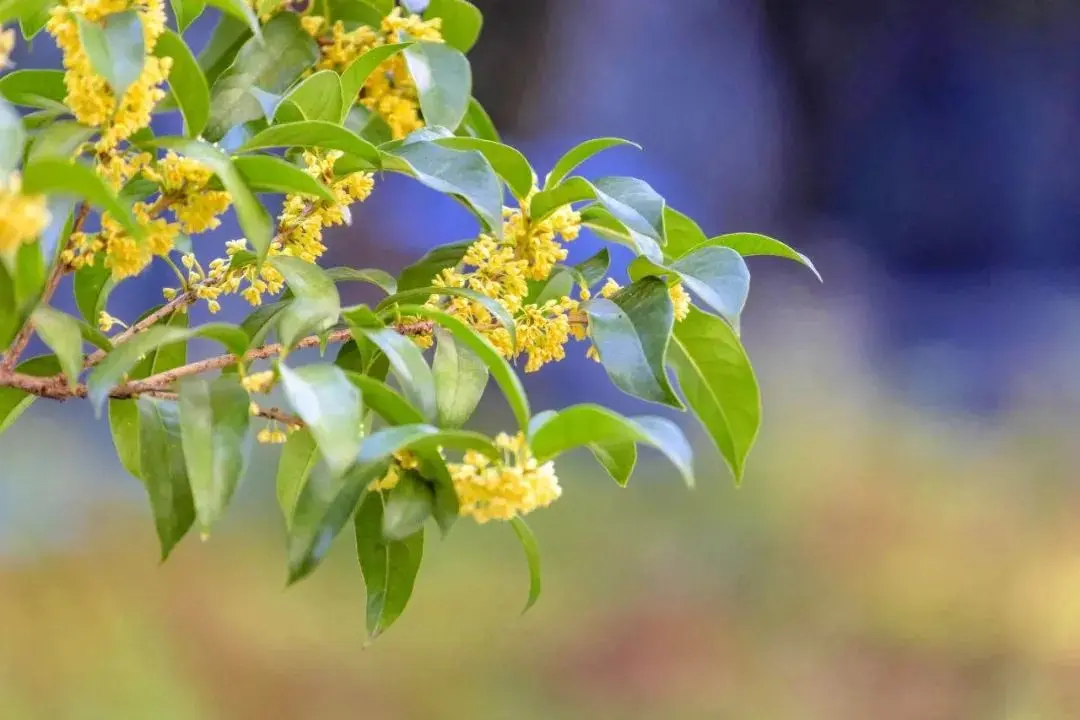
(250, 103)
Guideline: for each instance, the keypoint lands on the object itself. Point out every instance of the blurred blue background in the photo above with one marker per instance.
(905, 544)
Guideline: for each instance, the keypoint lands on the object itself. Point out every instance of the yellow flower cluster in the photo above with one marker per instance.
(300, 234)
(260, 382)
(183, 190)
(390, 91)
(402, 462)
(91, 99)
(502, 269)
(22, 217)
(7, 44)
(503, 489)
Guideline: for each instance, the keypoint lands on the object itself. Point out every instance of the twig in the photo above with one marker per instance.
(22, 338)
(177, 303)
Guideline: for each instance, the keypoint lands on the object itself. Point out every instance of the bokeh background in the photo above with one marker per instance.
(905, 545)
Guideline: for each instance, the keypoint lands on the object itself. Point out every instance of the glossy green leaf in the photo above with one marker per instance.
(124, 427)
(12, 138)
(717, 275)
(48, 176)
(14, 402)
(632, 202)
(681, 232)
(749, 244)
(443, 80)
(497, 310)
(354, 76)
(407, 363)
(214, 421)
(599, 219)
(267, 173)
(299, 456)
(254, 220)
(507, 162)
(330, 405)
(60, 139)
(313, 133)
(618, 458)
(316, 304)
(364, 12)
(226, 39)
(579, 154)
(504, 375)
(595, 269)
(261, 321)
(110, 371)
(386, 402)
(114, 47)
(35, 88)
(461, 22)
(242, 11)
(580, 425)
(318, 97)
(407, 506)
(374, 276)
(187, 11)
(423, 271)
(163, 472)
(33, 15)
(271, 63)
(19, 9)
(187, 82)
(389, 566)
(61, 333)
(631, 332)
(465, 174)
(477, 123)
(532, 556)
(11, 314)
(718, 383)
(460, 380)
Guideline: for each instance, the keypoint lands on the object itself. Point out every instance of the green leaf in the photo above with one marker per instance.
(718, 383)
(632, 203)
(29, 276)
(124, 426)
(594, 269)
(461, 22)
(465, 174)
(618, 458)
(588, 425)
(597, 218)
(477, 123)
(331, 406)
(443, 80)
(365, 12)
(33, 16)
(406, 362)
(380, 278)
(460, 380)
(389, 566)
(579, 154)
(186, 12)
(254, 220)
(267, 173)
(260, 322)
(214, 421)
(271, 63)
(19, 9)
(60, 139)
(747, 244)
(504, 375)
(115, 48)
(240, 10)
(507, 162)
(49, 176)
(226, 40)
(12, 138)
(717, 275)
(299, 456)
(316, 306)
(497, 310)
(61, 333)
(682, 234)
(532, 556)
(14, 402)
(385, 401)
(354, 76)
(187, 82)
(407, 507)
(423, 271)
(631, 332)
(163, 472)
(313, 133)
(318, 97)
(168, 355)
(110, 371)
(12, 316)
(35, 88)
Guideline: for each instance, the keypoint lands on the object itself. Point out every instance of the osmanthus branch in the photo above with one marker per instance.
(161, 384)
(22, 338)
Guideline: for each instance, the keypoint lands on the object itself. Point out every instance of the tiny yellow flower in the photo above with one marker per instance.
(260, 382)
(22, 217)
(107, 321)
(504, 489)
